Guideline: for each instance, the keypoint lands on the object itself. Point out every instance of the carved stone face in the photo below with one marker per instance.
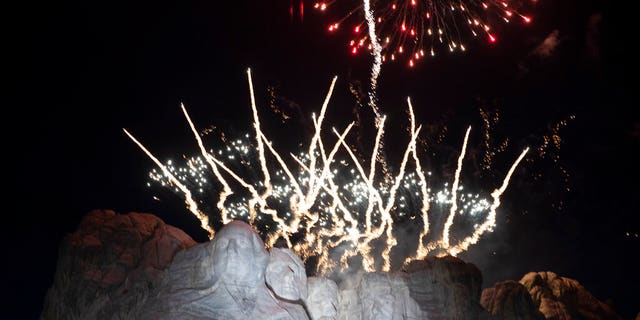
(322, 299)
(286, 275)
(238, 255)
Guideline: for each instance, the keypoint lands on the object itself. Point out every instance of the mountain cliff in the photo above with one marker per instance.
(134, 266)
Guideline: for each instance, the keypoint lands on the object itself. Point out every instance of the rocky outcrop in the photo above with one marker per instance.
(134, 266)
(111, 264)
(561, 298)
(231, 277)
(510, 300)
(377, 296)
(445, 288)
(322, 300)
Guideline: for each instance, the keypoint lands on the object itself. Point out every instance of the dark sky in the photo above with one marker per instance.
(82, 71)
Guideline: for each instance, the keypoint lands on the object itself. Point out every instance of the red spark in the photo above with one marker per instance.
(423, 25)
(301, 10)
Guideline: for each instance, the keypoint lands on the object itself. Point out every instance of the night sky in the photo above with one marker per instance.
(81, 71)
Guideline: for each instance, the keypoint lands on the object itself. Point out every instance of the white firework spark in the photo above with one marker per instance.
(322, 206)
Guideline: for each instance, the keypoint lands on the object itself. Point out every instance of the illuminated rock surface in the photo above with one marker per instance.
(322, 301)
(446, 288)
(563, 298)
(510, 300)
(377, 296)
(110, 263)
(225, 279)
(134, 266)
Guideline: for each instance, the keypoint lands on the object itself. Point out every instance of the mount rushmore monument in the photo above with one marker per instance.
(134, 266)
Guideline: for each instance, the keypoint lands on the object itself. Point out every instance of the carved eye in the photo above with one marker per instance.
(242, 243)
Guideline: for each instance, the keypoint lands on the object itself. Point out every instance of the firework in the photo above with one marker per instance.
(412, 29)
(322, 205)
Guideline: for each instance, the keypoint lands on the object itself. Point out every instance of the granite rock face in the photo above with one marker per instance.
(445, 288)
(322, 300)
(226, 278)
(510, 300)
(561, 298)
(134, 266)
(111, 264)
(377, 296)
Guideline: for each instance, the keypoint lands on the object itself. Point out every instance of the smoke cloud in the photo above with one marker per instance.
(548, 46)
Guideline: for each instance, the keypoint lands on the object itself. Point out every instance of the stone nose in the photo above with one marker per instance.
(233, 246)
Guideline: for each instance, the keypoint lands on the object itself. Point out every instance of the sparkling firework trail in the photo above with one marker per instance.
(491, 148)
(324, 206)
(375, 73)
(226, 189)
(454, 191)
(424, 211)
(377, 55)
(490, 222)
(191, 204)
